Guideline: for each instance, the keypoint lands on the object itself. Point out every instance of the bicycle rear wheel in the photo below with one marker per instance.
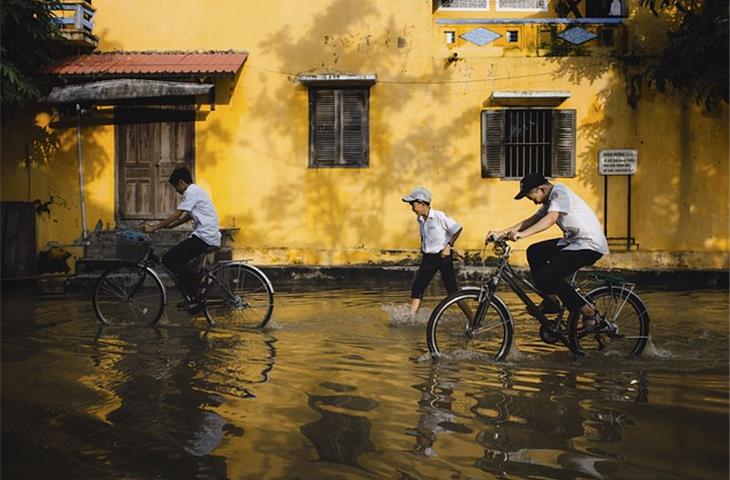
(626, 331)
(238, 295)
(450, 330)
(128, 294)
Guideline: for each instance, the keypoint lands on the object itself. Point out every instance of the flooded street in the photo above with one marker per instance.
(340, 386)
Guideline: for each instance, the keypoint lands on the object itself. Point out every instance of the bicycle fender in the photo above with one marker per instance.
(164, 288)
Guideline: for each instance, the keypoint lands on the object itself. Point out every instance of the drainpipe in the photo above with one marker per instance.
(85, 232)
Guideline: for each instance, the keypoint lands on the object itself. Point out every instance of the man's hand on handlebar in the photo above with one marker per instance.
(494, 236)
(502, 235)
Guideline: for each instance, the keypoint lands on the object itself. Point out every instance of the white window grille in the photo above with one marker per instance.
(522, 5)
(518, 141)
(464, 4)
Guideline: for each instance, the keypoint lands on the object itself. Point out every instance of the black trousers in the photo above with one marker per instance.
(430, 264)
(177, 258)
(551, 264)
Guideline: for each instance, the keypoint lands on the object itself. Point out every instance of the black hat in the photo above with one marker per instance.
(530, 181)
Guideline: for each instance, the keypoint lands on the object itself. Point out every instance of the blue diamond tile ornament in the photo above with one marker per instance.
(480, 36)
(577, 35)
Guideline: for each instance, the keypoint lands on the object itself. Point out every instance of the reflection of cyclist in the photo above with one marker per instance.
(196, 206)
(583, 242)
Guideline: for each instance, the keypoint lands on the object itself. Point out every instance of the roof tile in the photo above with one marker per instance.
(149, 63)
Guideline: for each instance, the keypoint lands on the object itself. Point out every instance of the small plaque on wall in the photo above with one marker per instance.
(617, 162)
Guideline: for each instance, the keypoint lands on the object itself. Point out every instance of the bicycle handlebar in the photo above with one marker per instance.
(501, 247)
(495, 239)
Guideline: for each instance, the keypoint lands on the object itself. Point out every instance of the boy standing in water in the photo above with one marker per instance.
(438, 235)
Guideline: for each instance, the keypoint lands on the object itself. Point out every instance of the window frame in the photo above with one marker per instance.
(563, 141)
(338, 125)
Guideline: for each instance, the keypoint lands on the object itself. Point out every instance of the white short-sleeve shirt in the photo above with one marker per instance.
(196, 201)
(580, 226)
(436, 230)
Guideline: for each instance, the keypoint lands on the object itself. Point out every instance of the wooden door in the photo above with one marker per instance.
(17, 220)
(150, 144)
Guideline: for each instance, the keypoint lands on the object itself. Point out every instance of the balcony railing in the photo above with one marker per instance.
(75, 19)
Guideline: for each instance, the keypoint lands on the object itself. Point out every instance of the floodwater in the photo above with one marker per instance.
(340, 387)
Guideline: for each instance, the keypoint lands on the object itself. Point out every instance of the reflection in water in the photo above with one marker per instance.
(339, 437)
(337, 391)
(172, 383)
(528, 426)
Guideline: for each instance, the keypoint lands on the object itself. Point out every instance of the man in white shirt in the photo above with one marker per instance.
(551, 261)
(438, 234)
(196, 206)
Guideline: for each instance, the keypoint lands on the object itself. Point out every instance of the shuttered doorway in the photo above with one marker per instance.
(150, 143)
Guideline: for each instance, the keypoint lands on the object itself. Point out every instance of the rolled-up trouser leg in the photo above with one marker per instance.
(426, 272)
(448, 274)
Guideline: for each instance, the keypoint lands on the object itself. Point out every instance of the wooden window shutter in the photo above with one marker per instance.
(492, 125)
(355, 142)
(563, 162)
(323, 127)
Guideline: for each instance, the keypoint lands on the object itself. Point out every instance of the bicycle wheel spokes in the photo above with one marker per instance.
(626, 329)
(238, 296)
(128, 294)
(450, 331)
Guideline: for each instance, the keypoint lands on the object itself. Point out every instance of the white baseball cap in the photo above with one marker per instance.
(418, 194)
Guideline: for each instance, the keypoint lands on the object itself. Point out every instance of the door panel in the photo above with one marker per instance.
(150, 144)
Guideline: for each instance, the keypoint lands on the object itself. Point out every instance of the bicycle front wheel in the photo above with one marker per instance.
(626, 329)
(238, 295)
(128, 294)
(452, 330)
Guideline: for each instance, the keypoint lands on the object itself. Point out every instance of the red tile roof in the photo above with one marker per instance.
(149, 63)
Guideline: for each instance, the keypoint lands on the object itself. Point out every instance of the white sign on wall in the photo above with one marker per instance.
(617, 162)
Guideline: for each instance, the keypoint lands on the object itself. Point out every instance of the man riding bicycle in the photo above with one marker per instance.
(196, 206)
(551, 261)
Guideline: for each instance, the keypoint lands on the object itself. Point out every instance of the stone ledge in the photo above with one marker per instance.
(353, 276)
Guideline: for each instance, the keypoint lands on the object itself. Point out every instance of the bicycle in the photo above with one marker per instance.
(483, 323)
(232, 291)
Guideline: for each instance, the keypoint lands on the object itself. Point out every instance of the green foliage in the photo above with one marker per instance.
(695, 59)
(28, 43)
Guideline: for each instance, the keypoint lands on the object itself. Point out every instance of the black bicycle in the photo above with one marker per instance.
(232, 293)
(476, 320)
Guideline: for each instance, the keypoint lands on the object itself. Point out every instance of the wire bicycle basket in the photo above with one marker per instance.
(132, 246)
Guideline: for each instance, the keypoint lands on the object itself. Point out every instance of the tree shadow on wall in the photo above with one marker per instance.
(404, 151)
(618, 110)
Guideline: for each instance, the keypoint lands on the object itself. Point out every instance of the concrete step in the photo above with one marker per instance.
(102, 243)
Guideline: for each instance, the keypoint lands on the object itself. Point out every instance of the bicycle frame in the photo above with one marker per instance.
(205, 268)
(148, 261)
(516, 283)
(520, 286)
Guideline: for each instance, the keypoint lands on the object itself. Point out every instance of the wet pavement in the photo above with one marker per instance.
(341, 387)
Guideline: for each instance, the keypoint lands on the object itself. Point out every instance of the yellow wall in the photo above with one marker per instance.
(252, 150)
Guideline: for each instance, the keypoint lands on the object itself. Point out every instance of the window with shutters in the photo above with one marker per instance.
(518, 141)
(339, 127)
